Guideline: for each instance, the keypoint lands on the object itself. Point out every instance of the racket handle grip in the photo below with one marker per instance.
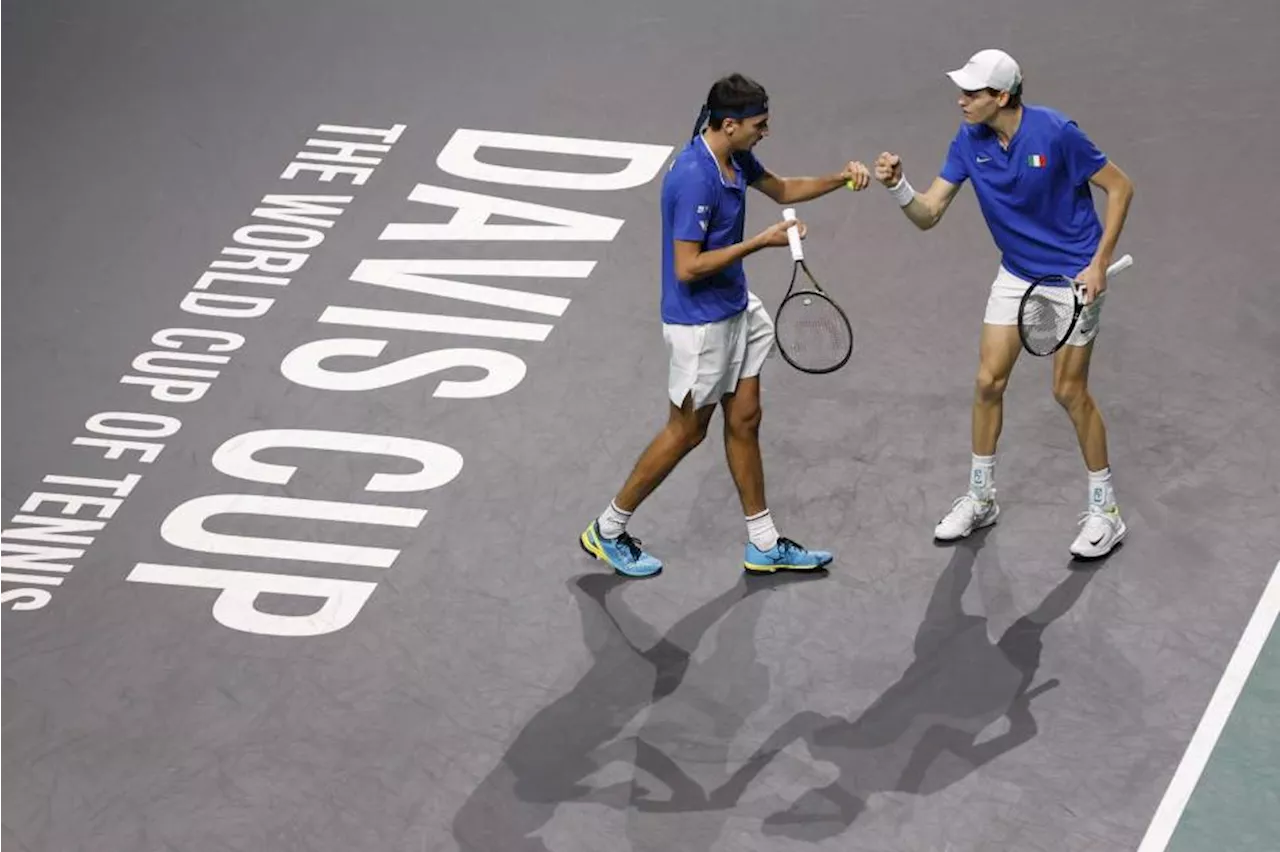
(793, 234)
(1120, 265)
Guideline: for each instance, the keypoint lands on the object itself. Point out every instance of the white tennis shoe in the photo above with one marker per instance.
(1101, 530)
(967, 514)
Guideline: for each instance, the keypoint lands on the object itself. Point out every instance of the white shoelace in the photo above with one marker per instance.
(1096, 522)
(974, 506)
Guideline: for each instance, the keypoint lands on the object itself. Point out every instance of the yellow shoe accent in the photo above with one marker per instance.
(590, 544)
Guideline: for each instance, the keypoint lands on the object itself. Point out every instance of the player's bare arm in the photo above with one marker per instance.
(794, 190)
(693, 263)
(924, 210)
(1112, 180)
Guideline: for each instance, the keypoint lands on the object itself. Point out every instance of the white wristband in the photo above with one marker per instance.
(902, 192)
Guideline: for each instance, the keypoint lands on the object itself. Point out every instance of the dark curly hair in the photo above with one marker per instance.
(732, 94)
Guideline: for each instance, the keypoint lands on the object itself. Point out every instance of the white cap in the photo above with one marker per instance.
(988, 69)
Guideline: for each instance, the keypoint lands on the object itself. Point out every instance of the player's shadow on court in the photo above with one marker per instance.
(552, 759)
(926, 732)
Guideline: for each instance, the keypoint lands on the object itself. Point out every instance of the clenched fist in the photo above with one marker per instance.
(888, 168)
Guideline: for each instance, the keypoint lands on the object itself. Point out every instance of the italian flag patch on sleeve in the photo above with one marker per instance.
(1036, 161)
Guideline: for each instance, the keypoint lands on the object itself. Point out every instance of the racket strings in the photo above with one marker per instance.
(1047, 315)
(812, 333)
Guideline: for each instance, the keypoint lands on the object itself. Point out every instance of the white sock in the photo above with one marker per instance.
(1100, 492)
(761, 531)
(982, 476)
(613, 521)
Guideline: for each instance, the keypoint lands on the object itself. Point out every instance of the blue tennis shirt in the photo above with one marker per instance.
(1035, 196)
(700, 205)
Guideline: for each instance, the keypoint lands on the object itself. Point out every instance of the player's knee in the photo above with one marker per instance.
(745, 422)
(1070, 393)
(689, 431)
(989, 386)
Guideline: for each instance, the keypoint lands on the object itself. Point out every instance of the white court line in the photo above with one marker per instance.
(1215, 717)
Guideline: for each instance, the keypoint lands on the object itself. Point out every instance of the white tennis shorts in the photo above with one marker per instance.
(1006, 295)
(708, 360)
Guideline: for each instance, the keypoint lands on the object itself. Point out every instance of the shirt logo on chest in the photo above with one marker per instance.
(1036, 161)
(983, 158)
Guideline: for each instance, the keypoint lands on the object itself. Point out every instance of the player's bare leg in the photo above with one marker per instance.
(685, 429)
(766, 550)
(1102, 528)
(1071, 390)
(742, 418)
(607, 538)
(998, 349)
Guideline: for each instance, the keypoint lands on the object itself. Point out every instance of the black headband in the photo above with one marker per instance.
(746, 111)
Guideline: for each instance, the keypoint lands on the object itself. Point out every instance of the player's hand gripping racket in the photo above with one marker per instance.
(812, 332)
(1051, 308)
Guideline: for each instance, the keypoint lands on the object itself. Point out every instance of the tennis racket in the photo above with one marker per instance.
(812, 332)
(1051, 307)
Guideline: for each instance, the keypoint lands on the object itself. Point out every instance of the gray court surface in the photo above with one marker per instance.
(470, 680)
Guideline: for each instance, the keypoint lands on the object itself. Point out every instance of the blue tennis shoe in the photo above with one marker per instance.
(786, 555)
(622, 553)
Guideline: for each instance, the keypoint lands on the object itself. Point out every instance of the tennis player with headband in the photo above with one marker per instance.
(1031, 169)
(717, 332)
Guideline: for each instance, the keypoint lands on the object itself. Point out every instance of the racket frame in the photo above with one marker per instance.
(813, 290)
(1077, 289)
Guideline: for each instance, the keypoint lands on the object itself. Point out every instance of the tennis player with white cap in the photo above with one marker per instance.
(1031, 169)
